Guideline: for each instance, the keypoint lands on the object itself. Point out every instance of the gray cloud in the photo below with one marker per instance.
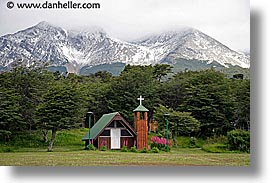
(226, 20)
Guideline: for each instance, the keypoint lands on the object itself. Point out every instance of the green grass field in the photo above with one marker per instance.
(177, 157)
(69, 150)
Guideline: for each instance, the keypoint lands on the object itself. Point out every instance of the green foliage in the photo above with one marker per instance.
(10, 117)
(155, 150)
(233, 70)
(133, 149)
(189, 142)
(65, 140)
(103, 148)
(180, 123)
(215, 148)
(63, 107)
(20, 93)
(91, 147)
(144, 150)
(194, 65)
(208, 98)
(166, 149)
(4, 149)
(161, 70)
(239, 140)
(133, 82)
(70, 137)
(95, 89)
(28, 139)
(172, 92)
(216, 144)
(201, 104)
(124, 149)
(219, 139)
(27, 83)
(183, 141)
(193, 141)
(241, 96)
(114, 68)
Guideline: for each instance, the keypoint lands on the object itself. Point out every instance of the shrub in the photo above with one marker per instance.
(221, 139)
(103, 145)
(91, 147)
(189, 142)
(144, 150)
(155, 150)
(239, 140)
(103, 148)
(192, 142)
(215, 148)
(199, 142)
(124, 149)
(133, 149)
(166, 149)
(7, 149)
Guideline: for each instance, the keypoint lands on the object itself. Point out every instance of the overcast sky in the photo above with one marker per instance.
(228, 21)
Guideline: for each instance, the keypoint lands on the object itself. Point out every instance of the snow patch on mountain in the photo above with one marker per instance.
(76, 49)
(71, 54)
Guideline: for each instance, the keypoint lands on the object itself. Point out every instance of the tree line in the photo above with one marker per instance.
(200, 103)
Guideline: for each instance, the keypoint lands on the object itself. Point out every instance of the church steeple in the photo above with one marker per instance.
(141, 124)
(141, 108)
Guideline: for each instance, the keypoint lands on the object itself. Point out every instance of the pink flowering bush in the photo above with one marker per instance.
(159, 142)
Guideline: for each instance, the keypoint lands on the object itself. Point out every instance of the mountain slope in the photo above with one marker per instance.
(192, 44)
(44, 43)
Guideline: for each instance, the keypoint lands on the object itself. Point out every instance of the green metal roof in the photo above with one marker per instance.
(99, 126)
(141, 108)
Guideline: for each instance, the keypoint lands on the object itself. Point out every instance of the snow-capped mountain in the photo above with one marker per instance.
(192, 44)
(45, 43)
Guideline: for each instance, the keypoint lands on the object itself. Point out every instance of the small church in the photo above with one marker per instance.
(114, 132)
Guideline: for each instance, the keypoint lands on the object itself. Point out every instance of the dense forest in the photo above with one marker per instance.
(200, 103)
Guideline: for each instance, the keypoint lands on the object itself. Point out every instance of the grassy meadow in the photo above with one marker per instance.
(69, 151)
(177, 157)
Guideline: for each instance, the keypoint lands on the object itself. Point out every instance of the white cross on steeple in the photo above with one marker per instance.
(140, 100)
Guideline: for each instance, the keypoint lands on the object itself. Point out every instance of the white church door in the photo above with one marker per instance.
(115, 138)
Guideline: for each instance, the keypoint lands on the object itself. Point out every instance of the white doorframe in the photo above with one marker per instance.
(115, 138)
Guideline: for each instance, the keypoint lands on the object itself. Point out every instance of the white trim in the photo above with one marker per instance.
(120, 123)
(128, 131)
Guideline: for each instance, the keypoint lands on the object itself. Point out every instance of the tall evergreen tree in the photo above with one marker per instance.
(30, 85)
(63, 107)
(96, 88)
(161, 70)
(126, 88)
(208, 98)
(241, 96)
(10, 118)
(173, 91)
